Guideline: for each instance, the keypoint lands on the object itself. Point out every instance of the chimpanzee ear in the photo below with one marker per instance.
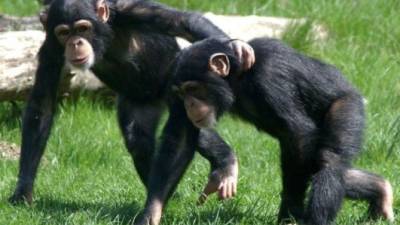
(43, 15)
(219, 64)
(103, 11)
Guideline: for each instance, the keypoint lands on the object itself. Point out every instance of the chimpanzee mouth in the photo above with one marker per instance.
(200, 120)
(206, 121)
(203, 119)
(80, 61)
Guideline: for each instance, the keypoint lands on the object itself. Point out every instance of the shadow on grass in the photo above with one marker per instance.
(233, 213)
(230, 216)
(60, 210)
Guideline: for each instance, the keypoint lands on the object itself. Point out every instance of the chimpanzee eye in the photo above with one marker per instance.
(82, 26)
(62, 30)
(194, 88)
(82, 29)
(63, 33)
(199, 91)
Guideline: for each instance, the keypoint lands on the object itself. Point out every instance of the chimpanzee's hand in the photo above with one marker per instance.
(244, 52)
(223, 181)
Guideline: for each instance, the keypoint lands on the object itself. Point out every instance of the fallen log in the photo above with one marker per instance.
(18, 50)
(13, 23)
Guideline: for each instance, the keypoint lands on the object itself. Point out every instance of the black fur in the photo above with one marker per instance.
(134, 50)
(316, 115)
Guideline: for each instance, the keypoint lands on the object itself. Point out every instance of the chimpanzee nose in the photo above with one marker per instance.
(76, 43)
(189, 102)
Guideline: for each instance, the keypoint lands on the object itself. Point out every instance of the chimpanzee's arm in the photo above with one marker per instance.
(177, 151)
(212, 147)
(224, 166)
(155, 16)
(37, 121)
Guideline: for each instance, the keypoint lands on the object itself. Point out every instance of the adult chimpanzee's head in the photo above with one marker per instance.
(79, 28)
(199, 80)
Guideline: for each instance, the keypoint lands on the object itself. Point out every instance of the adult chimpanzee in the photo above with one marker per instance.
(129, 44)
(316, 115)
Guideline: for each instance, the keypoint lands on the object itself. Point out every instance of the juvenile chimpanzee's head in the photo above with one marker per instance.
(199, 80)
(79, 28)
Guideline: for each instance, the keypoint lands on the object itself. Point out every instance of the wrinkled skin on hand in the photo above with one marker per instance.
(244, 52)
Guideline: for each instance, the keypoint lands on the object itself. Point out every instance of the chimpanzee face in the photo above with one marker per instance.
(199, 109)
(77, 27)
(205, 98)
(76, 41)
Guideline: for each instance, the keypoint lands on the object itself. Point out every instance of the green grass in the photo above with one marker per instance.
(19, 7)
(87, 177)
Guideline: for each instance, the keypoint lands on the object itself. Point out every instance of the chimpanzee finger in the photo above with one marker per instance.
(234, 188)
(202, 199)
(229, 189)
(246, 58)
(211, 187)
(245, 54)
(238, 50)
(251, 58)
(222, 191)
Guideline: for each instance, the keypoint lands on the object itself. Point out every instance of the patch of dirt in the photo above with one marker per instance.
(9, 151)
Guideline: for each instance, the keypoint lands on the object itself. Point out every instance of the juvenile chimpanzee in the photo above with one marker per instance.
(316, 115)
(129, 44)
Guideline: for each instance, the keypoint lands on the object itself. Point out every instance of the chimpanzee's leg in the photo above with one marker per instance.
(327, 192)
(138, 123)
(176, 152)
(340, 140)
(295, 179)
(367, 186)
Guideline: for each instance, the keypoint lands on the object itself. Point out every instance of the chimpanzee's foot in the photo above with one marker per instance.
(151, 215)
(224, 181)
(21, 195)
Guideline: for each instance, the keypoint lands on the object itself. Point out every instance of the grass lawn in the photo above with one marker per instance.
(87, 177)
